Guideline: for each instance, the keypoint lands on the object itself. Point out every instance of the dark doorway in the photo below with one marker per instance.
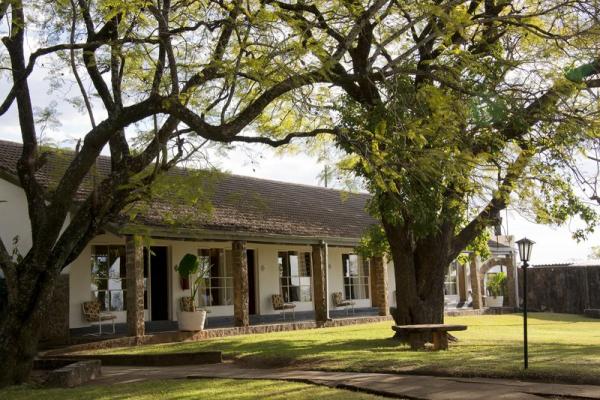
(251, 282)
(159, 283)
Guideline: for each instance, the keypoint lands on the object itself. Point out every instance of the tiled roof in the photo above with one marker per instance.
(239, 203)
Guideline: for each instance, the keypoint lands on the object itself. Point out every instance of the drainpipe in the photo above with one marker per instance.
(326, 256)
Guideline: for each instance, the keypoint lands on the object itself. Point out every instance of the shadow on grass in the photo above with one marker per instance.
(550, 362)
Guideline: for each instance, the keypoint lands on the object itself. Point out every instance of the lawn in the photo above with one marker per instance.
(214, 389)
(562, 348)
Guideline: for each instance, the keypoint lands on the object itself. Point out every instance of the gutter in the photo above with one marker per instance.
(218, 235)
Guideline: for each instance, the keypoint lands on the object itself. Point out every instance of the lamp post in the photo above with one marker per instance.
(525, 246)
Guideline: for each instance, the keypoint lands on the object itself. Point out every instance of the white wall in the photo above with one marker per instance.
(266, 267)
(268, 276)
(14, 217)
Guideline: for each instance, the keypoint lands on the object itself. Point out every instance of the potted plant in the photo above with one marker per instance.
(495, 286)
(190, 317)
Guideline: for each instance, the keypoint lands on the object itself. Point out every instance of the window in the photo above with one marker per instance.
(295, 276)
(217, 288)
(356, 277)
(109, 281)
(450, 284)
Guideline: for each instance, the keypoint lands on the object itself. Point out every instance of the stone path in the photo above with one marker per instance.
(390, 385)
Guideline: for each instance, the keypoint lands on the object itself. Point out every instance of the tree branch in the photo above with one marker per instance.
(499, 201)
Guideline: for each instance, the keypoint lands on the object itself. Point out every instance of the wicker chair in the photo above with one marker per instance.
(280, 305)
(338, 301)
(92, 314)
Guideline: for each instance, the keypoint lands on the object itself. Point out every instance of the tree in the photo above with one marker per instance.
(158, 80)
(459, 108)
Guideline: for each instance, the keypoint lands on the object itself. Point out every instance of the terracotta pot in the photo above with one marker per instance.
(185, 283)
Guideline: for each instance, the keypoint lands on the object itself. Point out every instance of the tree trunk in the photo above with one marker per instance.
(20, 324)
(420, 268)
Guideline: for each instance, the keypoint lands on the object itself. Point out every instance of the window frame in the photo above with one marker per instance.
(288, 291)
(207, 290)
(95, 288)
(351, 283)
(449, 282)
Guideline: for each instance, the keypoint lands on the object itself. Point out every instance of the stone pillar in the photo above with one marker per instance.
(240, 283)
(379, 276)
(134, 256)
(511, 282)
(462, 282)
(319, 274)
(56, 314)
(475, 264)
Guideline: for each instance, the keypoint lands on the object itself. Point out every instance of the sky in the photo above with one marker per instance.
(553, 244)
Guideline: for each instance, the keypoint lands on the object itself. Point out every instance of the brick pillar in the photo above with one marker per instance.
(475, 264)
(379, 275)
(462, 282)
(511, 282)
(240, 283)
(134, 256)
(319, 273)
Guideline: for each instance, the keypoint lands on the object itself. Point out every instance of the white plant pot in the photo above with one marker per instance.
(497, 301)
(191, 321)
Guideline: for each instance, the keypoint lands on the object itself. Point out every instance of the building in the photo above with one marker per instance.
(262, 237)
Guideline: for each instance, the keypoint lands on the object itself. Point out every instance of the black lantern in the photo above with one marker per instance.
(525, 246)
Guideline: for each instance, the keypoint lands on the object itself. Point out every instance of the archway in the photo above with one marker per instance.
(508, 263)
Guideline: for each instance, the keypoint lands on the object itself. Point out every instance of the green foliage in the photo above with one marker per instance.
(188, 265)
(496, 285)
(417, 154)
(480, 246)
(594, 253)
(374, 243)
(194, 268)
(184, 196)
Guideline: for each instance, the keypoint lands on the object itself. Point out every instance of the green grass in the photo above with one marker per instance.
(562, 348)
(214, 389)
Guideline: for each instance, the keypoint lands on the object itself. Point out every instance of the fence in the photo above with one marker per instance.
(564, 289)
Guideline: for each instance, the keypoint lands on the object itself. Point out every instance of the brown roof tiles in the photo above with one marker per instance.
(238, 203)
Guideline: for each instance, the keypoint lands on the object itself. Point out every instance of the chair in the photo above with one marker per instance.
(338, 301)
(280, 305)
(92, 314)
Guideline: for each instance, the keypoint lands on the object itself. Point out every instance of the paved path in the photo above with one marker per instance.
(391, 385)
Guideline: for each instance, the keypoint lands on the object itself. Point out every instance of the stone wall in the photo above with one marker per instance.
(55, 328)
(168, 337)
(379, 284)
(562, 289)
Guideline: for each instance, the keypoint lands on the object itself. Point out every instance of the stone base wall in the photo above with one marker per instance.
(55, 328)
(168, 337)
(75, 374)
(569, 290)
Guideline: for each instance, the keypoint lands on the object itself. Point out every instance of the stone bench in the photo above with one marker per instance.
(417, 334)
